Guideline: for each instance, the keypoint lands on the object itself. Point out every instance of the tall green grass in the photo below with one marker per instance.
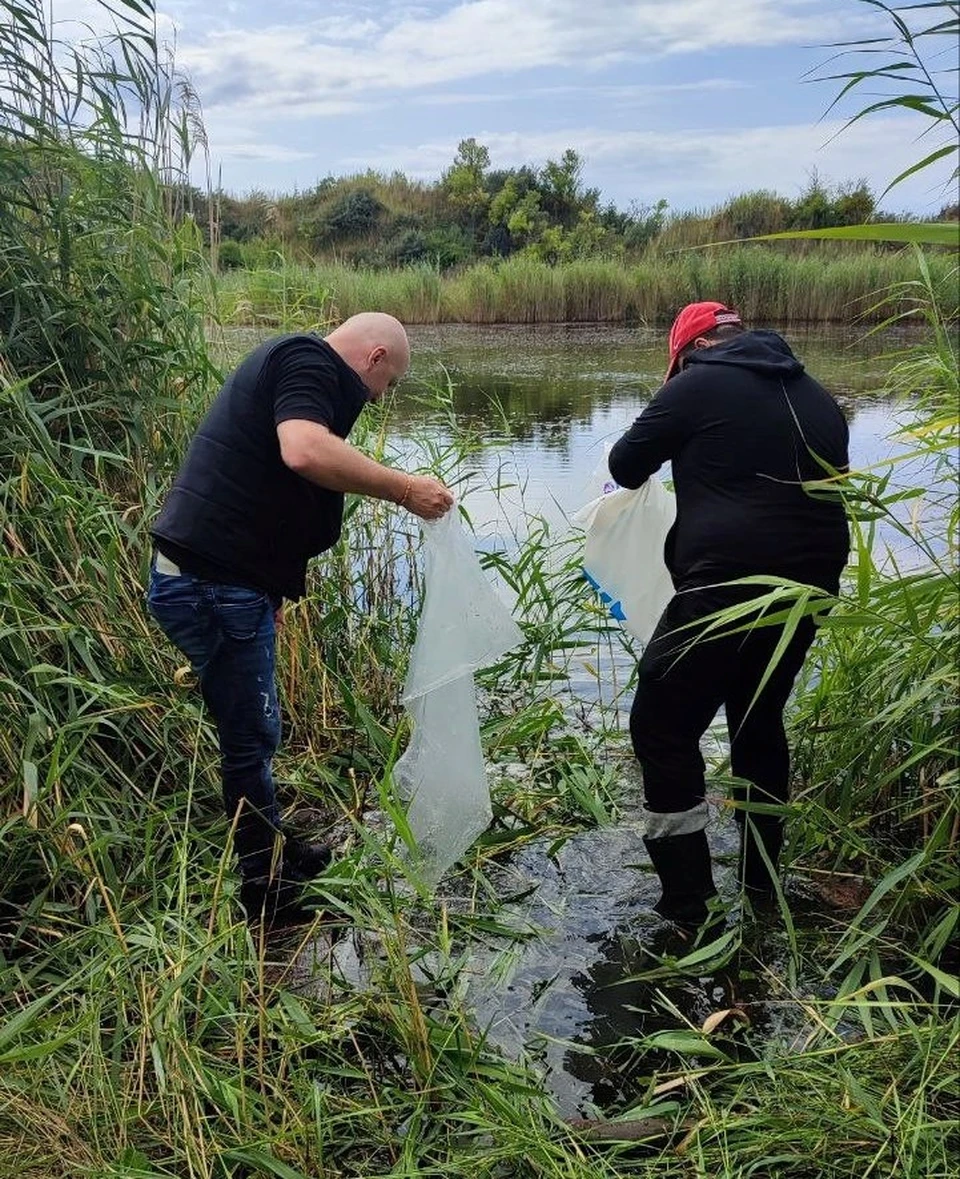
(878, 727)
(143, 1031)
(765, 285)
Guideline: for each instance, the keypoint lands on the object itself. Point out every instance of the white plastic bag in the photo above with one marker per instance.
(463, 626)
(623, 552)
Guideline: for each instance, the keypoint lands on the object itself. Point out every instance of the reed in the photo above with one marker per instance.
(766, 285)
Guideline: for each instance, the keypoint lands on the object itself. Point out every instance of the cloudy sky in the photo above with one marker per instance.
(687, 100)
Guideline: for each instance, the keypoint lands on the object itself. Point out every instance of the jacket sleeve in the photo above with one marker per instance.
(656, 436)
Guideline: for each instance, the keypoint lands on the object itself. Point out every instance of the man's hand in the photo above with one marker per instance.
(426, 497)
(313, 452)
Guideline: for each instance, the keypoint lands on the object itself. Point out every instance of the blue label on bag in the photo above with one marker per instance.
(614, 607)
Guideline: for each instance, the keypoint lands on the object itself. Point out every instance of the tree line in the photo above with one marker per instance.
(473, 211)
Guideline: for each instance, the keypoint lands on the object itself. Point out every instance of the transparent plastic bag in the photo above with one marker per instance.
(623, 552)
(463, 626)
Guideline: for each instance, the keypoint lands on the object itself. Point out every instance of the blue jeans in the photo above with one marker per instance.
(229, 635)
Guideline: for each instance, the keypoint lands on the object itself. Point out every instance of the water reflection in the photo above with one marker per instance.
(744, 1003)
(580, 1000)
(553, 373)
(609, 1055)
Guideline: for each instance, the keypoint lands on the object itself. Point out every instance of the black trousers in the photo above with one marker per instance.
(681, 690)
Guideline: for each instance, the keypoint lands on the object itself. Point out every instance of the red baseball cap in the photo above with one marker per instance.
(695, 320)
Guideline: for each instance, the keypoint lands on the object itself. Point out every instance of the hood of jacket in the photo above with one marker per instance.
(762, 351)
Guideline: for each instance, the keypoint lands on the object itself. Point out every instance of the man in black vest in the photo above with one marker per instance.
(744, 428)
(259, 493)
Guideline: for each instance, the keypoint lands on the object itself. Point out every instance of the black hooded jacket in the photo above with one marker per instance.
(743, 426)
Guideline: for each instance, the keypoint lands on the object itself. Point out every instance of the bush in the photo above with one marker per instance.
(230, 255)
(408, 246)
(447, 246)
(754, 213)
(353, 215)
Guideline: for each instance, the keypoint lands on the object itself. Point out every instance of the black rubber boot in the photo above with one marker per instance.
(273, 903)
(765, 830)
(303, 860)
(273, 898)
(686, 876)
(272, 868)
(256, 844)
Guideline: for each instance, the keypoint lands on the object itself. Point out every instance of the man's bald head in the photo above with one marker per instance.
(375, 346)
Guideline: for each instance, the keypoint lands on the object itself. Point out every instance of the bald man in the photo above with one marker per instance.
(259, 493)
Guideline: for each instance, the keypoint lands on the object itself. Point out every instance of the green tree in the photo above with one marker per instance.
(644, 223)
(519, 212)
(853, 204)
(354, 214)
(463, 183)
(527, 220)
(813, 209)
(563, 196)
(504, 203)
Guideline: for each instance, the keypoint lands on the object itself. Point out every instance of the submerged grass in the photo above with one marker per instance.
(765, 285)
(145, 1033)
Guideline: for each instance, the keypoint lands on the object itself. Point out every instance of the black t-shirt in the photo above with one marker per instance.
(236, 513)
(743, 426)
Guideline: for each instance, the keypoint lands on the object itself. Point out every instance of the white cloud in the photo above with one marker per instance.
(77, 20)
(619, 94)
(263, 72)
(272, 153)
(289, 68)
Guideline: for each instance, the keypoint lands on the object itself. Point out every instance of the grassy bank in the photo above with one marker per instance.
(145, 1034)
(766, 286)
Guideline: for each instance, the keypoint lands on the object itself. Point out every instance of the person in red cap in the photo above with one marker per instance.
(744, 427)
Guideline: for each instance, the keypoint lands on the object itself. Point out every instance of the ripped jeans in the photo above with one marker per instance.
(229, 635)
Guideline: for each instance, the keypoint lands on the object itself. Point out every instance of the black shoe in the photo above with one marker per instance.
(273, 904)
(758, 831)
(683, 864)
(304, 861)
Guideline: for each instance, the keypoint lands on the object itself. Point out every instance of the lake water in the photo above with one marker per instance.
(567, 392)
